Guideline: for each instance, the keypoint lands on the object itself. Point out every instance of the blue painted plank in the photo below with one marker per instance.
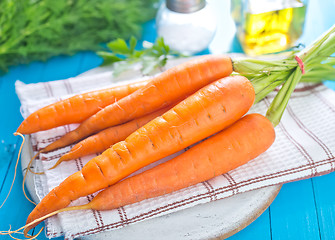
(324, 198)
(330, 84)
(293, 212)
(31, 73)
(14, 211)
(259, 229)
(6, 152)
(321, 14)
(9, 105)
(89, 61)
(325, 202)
(62, 67)
(17, 208)
(149, 32)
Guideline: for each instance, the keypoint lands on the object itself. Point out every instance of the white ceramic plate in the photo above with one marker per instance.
(214, 220)
(219, 219)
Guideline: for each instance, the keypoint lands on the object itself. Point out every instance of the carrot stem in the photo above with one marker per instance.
(264, 74)
(280, 102)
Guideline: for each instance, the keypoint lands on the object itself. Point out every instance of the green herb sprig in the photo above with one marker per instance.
(39, 29)
(124, 55)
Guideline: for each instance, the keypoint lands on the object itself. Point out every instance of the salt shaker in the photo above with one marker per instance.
(187, 26)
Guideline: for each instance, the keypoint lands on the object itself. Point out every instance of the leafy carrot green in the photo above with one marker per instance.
(266, 75)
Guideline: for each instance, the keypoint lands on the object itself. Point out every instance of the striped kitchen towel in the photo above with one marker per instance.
(304, 148)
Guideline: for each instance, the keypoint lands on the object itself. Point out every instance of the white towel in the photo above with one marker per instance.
(304, 148)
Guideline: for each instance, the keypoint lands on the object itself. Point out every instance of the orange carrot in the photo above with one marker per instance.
(75, 109)
(103, 140)
(204, 113)
(161, 91)
(241, 142)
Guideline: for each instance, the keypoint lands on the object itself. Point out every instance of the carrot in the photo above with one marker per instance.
(103, 140)
(241, 142)
(161, 91)
(204, 113)
(75, 109)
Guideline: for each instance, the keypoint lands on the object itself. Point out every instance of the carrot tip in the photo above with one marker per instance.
(18, 231)
(35, 222)
(18, 134)
(56, 164)
(36, 173)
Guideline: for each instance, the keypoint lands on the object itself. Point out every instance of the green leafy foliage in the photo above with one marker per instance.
(125, 55)
(39, 29)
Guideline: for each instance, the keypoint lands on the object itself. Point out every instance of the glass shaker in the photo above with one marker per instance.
(268, 26)
(187, 26)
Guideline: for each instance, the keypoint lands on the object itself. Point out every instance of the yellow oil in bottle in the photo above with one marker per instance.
(271, 31)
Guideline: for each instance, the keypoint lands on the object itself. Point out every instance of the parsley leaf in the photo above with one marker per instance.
(125, 55)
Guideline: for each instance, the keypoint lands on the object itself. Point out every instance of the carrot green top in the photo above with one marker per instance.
(312, 64)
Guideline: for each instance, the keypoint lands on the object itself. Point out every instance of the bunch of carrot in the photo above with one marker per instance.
(172, 111)
(143, 127)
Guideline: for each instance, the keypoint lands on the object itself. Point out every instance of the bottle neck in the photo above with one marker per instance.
(185, 6)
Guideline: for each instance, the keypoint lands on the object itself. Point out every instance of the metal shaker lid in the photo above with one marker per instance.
(185, 6)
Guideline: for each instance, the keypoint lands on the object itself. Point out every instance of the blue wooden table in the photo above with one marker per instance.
(302, 210)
